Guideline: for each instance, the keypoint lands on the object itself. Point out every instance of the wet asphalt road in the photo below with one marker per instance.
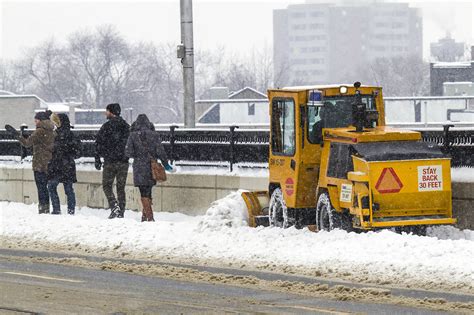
(40, 288)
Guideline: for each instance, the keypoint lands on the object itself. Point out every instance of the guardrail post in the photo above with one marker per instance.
(446, 138)
(232, 145)
(172, 140)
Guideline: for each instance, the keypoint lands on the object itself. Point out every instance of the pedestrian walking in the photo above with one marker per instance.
(145, 147)
(62, 167)
(42, 141)
(110, 145)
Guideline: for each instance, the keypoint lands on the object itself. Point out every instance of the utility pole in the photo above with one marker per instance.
(186, 53)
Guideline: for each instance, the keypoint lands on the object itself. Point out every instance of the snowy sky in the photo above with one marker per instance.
(237, 24)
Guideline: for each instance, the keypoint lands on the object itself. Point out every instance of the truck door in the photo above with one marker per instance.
(283, 146)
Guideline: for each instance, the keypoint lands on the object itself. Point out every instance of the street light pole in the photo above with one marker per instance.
(186, 53)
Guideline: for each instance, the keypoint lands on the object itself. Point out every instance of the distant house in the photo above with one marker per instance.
(246, 106)
(16, 110)
(442, 72)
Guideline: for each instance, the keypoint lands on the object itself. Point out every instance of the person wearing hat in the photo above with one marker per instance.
(42, 141)
(110, 145)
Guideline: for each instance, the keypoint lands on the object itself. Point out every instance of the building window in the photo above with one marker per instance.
(317, 14)
(316, 26)
(299, 27)
(298, 15)
(251, 109)
(397, 25)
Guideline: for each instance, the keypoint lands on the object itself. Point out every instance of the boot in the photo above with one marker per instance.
(121, 211)
(114, 211)
(71, 211)
(43, 209)
(147, 214)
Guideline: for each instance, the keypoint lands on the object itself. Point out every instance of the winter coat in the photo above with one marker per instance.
(42, 141)
(142, 143)
(67, 147)
(112, 139)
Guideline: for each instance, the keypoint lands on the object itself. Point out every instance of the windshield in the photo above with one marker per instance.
(336, 112)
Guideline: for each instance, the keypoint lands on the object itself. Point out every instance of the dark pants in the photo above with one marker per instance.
(41, 180)
(145, 191)
(68, 190)
(115, 171)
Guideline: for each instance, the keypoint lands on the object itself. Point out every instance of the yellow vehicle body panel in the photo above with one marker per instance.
(407, 192)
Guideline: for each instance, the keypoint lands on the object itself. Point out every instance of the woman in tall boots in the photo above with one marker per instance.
(62, 167)
(143, 145)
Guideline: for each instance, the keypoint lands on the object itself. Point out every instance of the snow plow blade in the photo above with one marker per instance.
(257, 207)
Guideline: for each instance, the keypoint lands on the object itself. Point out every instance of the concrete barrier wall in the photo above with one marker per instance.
(189, 194)
(463, 204)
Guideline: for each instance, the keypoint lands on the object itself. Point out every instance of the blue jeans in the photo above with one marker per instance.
(71, 196)
(41, 180)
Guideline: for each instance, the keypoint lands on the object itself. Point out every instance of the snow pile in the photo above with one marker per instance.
(229, 211)
(450, 233)
(442, 260)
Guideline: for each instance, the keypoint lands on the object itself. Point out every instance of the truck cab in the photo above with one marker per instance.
(333, 163)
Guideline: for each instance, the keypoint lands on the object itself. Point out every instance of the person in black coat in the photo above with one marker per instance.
(110, 144)
(62, 167)
(144, 145)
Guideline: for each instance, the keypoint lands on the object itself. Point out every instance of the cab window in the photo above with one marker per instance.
(283, 126)
(314, 127)
(337, 110)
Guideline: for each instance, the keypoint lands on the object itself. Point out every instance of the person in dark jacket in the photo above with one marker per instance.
(110, 144)
(143, 145)
(42, 141)
(62, 167)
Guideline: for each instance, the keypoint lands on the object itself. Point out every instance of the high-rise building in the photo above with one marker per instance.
(316, 43)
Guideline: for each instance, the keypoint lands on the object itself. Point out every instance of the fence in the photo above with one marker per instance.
(245, 145)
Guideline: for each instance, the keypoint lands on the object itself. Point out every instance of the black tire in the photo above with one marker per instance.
(277, 211)
(328, 219)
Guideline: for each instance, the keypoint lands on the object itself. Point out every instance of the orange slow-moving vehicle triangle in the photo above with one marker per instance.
(388, 182)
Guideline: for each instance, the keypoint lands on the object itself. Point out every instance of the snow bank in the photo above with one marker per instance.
(445, 259)
(230, 211)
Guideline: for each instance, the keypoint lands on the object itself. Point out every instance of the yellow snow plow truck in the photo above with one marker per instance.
(333, 163)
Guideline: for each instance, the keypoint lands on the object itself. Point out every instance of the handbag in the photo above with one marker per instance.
(158, 172)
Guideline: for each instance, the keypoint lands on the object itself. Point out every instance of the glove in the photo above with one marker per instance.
(12, 131)
(169, 168)
(98, 164)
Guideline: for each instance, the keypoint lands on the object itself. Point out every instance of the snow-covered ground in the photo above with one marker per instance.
(444, 259)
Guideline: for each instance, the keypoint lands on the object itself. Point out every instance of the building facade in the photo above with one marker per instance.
(445, 72)
(320, 43)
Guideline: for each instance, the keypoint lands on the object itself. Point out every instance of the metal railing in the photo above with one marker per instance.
(245, 146)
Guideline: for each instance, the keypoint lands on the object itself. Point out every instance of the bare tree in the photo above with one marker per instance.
(12, 78)
(45, 65)
(399, 76)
